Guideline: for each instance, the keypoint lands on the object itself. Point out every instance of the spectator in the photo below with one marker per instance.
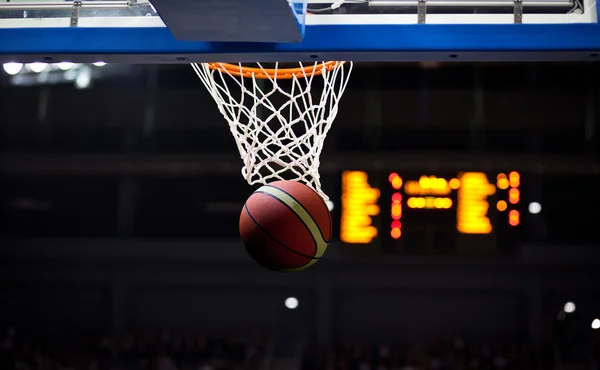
(163, 361)
(145, 351)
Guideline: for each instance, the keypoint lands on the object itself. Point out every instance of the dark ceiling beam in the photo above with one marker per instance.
(195, 164)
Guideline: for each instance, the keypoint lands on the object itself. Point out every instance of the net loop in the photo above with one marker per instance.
(279, 117)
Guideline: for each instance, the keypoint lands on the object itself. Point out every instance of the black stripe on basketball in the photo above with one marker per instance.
(277, 241)
(307, 211)
(299, 218)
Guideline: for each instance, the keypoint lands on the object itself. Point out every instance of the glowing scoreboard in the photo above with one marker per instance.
(469, 203)
(359, 206)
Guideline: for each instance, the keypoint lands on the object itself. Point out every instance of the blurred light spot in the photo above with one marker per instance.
(12, 68)
(37, 67)
(330, 205)
(65, 66)
(84, 79)
(596, 324)
(359, 204)
(515, 179)
(501, 206)
(442, 203)
(569, 307)
(395, 180)
(502, 184)
(99, 64)
(397, 210)
(473, 204)
(535, 208)
(454, 183)
(291, 303)
(71, 74)
(514, 195)
(514, 218)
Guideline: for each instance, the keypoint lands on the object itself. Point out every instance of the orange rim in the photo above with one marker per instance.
(272, 73)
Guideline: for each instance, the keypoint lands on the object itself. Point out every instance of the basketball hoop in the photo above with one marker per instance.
(279, 127)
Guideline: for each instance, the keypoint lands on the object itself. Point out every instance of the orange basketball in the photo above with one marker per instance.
(285, 226)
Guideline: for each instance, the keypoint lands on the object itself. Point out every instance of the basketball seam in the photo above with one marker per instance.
(311, 216)
(299, 218)
(278, 242)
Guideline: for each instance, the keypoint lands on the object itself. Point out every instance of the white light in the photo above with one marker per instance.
(535, 208)
(291, 303)
(70, 75)
(596, 324)
(99, 64)
(84, 78)
(12, 68)
(330, 205)
(65, 66)
(37, 67)
(569, 307)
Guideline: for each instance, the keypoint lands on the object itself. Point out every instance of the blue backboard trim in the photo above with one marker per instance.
(357, 42)
(299, 7)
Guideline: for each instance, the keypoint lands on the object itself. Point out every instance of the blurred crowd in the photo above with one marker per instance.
(146, 350)
(455, 354)
(151, 350)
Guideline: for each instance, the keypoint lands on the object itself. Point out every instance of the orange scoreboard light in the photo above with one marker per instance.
(359, 206)
(471, 201)
(420, 209)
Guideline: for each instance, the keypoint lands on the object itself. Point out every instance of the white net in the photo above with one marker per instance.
(279, 118)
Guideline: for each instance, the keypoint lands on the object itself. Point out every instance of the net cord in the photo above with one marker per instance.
(286, 144)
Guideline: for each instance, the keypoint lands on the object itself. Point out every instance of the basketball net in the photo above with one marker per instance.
(279, 130)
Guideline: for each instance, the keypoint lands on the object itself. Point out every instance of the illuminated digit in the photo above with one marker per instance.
(359, 204)
(396, 212)
(472, 208)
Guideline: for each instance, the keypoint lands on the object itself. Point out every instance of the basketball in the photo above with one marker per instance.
(285, 226)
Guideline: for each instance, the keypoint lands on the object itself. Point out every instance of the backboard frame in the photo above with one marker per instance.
(357, 42)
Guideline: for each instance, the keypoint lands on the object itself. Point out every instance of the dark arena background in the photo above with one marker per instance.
(464, 197)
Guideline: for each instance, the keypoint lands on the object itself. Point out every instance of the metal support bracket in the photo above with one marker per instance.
(75, 13)
(518, 11)
(421, 11)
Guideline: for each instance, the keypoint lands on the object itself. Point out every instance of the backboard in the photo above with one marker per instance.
(184, 31)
